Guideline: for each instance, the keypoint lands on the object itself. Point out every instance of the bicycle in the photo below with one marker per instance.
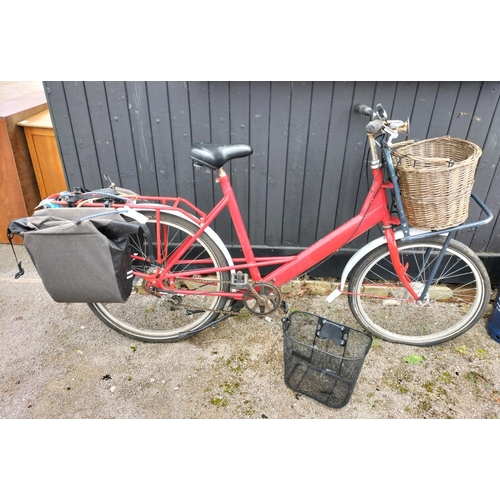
(192, 282)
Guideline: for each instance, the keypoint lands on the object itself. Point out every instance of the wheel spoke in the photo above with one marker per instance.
(170, 314)
(457, 297)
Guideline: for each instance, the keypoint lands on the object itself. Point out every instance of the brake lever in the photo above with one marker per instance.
(381, 111)
(393, 134)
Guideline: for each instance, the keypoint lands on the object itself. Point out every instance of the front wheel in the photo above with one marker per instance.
(182, 311)
(457, 299)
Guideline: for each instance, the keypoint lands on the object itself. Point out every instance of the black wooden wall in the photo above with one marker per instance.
(308, 170)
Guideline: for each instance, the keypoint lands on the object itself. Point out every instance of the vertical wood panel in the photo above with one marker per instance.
(142, 136)
(220, 130)
(464, 109)
(355, 157)
(484, 112)
(321, 106)
(425, 101)
(297, 147)
(335, 153)
(239, 98)
(58, 105)
(122, 133)
(260, 94)
(103, 135)
(83, 133)
(443, 109)
(278, 144)
(488, 177)
(199, 106)
(181, 139)
(162, 138)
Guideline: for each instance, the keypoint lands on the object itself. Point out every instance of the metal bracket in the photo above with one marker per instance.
(330, 330)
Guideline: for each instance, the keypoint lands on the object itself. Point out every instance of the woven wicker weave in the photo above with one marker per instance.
(436, 178)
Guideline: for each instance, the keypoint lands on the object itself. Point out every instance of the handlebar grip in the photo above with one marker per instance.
(364, 110)
(374, 126)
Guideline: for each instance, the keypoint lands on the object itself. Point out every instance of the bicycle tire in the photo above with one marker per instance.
(170, 317)
(457, 300)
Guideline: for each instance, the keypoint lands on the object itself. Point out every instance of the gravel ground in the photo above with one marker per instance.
(60, 361)
(59, 366)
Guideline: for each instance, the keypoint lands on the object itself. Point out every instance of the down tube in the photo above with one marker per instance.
(328, 245)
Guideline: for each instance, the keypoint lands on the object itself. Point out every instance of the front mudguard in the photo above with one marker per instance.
(361, 253)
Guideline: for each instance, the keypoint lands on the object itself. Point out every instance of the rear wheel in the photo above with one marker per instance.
(174, 315)
(457, 299)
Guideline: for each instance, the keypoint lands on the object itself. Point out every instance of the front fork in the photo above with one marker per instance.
(401, 269)
(397, 264)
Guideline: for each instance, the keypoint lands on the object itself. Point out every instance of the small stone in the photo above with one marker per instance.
(152, 380)
(112, 389)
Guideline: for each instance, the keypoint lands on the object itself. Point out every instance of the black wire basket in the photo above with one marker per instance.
(323, 359)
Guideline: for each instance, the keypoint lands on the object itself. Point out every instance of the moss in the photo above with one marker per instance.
(229, 387)
(217, 401)
(473, 377)
(425, 405)
(429, 387)
(446, 377)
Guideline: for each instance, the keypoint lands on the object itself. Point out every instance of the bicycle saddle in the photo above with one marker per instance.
(214, 156)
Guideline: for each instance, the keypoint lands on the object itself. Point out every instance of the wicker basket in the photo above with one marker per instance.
(436, 178)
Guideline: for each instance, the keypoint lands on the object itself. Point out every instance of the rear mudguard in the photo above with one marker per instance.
(361, 253)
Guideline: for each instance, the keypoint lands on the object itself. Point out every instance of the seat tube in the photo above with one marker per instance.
(239, 224)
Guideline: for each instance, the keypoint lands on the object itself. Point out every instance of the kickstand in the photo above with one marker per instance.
(10, 236)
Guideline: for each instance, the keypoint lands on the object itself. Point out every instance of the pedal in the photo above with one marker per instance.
(239, 280)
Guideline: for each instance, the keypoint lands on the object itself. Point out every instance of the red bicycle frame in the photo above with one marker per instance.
(374, 211)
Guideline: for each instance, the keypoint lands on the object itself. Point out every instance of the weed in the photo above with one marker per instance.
(413, 359)
(429, 387)
(473, 377)
(229, 387)
(481, 353)
(220, 402)
(461, 349)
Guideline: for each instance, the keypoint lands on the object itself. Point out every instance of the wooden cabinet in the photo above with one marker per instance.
(44, 153)
(19, 194)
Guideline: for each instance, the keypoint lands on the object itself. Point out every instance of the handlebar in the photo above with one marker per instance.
(377, 117)
(364, 110)
(378, 120)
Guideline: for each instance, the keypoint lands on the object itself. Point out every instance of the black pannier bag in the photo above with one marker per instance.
(81, 254)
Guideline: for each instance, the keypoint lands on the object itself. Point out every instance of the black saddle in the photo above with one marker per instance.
(214, 156)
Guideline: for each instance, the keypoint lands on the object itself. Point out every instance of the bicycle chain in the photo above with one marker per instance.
(282, 304)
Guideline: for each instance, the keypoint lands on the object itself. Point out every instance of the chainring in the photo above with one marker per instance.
(261, 298)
